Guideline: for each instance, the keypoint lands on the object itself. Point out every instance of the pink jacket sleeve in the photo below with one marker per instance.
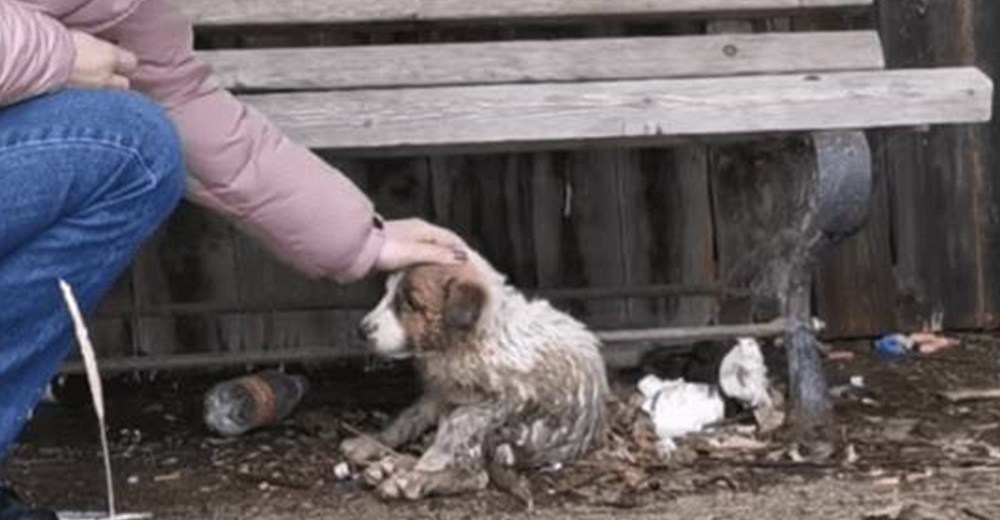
(25, 37)
(306, 212)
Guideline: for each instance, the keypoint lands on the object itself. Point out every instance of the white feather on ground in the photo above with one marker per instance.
(97, 392)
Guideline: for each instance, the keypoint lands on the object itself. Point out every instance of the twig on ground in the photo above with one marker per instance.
(97, 392)
(254, 478)
(94, 380)
(975, 514)
(971, 394)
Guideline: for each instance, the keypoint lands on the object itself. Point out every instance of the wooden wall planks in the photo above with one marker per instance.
(930, 242)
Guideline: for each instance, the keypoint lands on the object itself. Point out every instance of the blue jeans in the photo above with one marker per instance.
(85, 177)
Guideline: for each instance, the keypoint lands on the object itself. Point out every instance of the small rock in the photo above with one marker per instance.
(133, 480)
(851, 454)
(840, 355)
(167, 477)
(886, 482)
(342, 471)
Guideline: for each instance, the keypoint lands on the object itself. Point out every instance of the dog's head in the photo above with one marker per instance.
(431, 307)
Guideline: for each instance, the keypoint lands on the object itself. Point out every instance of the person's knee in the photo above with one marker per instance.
(144, 126)
(129, 120)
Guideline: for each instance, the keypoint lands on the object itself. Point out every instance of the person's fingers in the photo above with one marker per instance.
(423, 253)
(423, 231)
(398, 255)
(100, 64)
(118, 82)
(126, 61)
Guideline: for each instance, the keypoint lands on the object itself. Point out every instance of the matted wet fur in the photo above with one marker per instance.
(508, 382)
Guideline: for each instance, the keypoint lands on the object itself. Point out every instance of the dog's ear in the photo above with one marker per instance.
(464, 302)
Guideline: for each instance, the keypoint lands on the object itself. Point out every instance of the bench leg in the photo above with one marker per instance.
(837, 207)
(812, 413)
(824, 187)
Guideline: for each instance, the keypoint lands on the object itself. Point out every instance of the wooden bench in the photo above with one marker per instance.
(725, 80)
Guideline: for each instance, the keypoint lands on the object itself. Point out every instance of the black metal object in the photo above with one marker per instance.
(617, 354)
(833, 206)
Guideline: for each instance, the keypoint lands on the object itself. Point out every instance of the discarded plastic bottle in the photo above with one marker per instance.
(239, 405)
(894, 346)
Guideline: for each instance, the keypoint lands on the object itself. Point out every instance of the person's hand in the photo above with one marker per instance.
(414, 241)
(100, 64)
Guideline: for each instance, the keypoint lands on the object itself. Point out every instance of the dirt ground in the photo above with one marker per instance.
(904, 445)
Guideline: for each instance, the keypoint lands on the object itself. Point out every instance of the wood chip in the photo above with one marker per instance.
(167, 477)
(971, 394)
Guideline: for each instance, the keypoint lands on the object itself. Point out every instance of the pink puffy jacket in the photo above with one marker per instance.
(307, 213)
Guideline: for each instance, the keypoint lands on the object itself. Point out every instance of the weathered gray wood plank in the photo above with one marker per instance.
(942, 182)
(413, 65)
(667, 232)
(624, 110)
(242, 12)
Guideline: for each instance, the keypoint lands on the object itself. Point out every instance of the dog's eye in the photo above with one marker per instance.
(405, 303)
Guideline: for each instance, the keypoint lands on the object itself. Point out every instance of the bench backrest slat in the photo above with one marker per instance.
(322, 68)
(627, 111)
(250, 12)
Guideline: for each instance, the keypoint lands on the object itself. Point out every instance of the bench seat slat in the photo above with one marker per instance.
(250, 12)
(544, 61)
(429, 118)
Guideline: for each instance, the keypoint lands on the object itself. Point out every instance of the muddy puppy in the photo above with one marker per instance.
(508, 382)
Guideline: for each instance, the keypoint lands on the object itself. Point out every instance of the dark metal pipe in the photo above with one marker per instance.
(620, 339)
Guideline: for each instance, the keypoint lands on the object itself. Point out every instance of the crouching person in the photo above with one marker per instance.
(95, 142)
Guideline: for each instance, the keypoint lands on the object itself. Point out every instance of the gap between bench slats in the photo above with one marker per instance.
(249, 12)
(626, 110)
(544, 61)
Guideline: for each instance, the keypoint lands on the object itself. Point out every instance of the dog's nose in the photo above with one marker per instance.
(365, 330)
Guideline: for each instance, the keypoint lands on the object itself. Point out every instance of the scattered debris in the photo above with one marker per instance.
(931, 343)
(914, 446)
(901, 345)
(975, 515)
(971, 394)
(94, 515)
(167, 477)
(342, 472)
(743, 377)
(851, 454)
(915, 511)
(97, 393)
(894, 346)
(679, 408)
(898, 429)
(840, 355)
(239, 405)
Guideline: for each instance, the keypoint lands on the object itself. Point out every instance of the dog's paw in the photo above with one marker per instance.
(410, 485)
(364, 450)
(388, 466)
(414, 485)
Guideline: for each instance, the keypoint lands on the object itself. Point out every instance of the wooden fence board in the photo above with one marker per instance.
(855, 287)
(667, 232)
(938, 178)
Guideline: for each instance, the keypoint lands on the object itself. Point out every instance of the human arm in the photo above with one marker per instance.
(303, 210)
(36, 53)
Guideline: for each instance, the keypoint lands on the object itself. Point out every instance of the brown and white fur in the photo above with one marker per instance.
(508, 381)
